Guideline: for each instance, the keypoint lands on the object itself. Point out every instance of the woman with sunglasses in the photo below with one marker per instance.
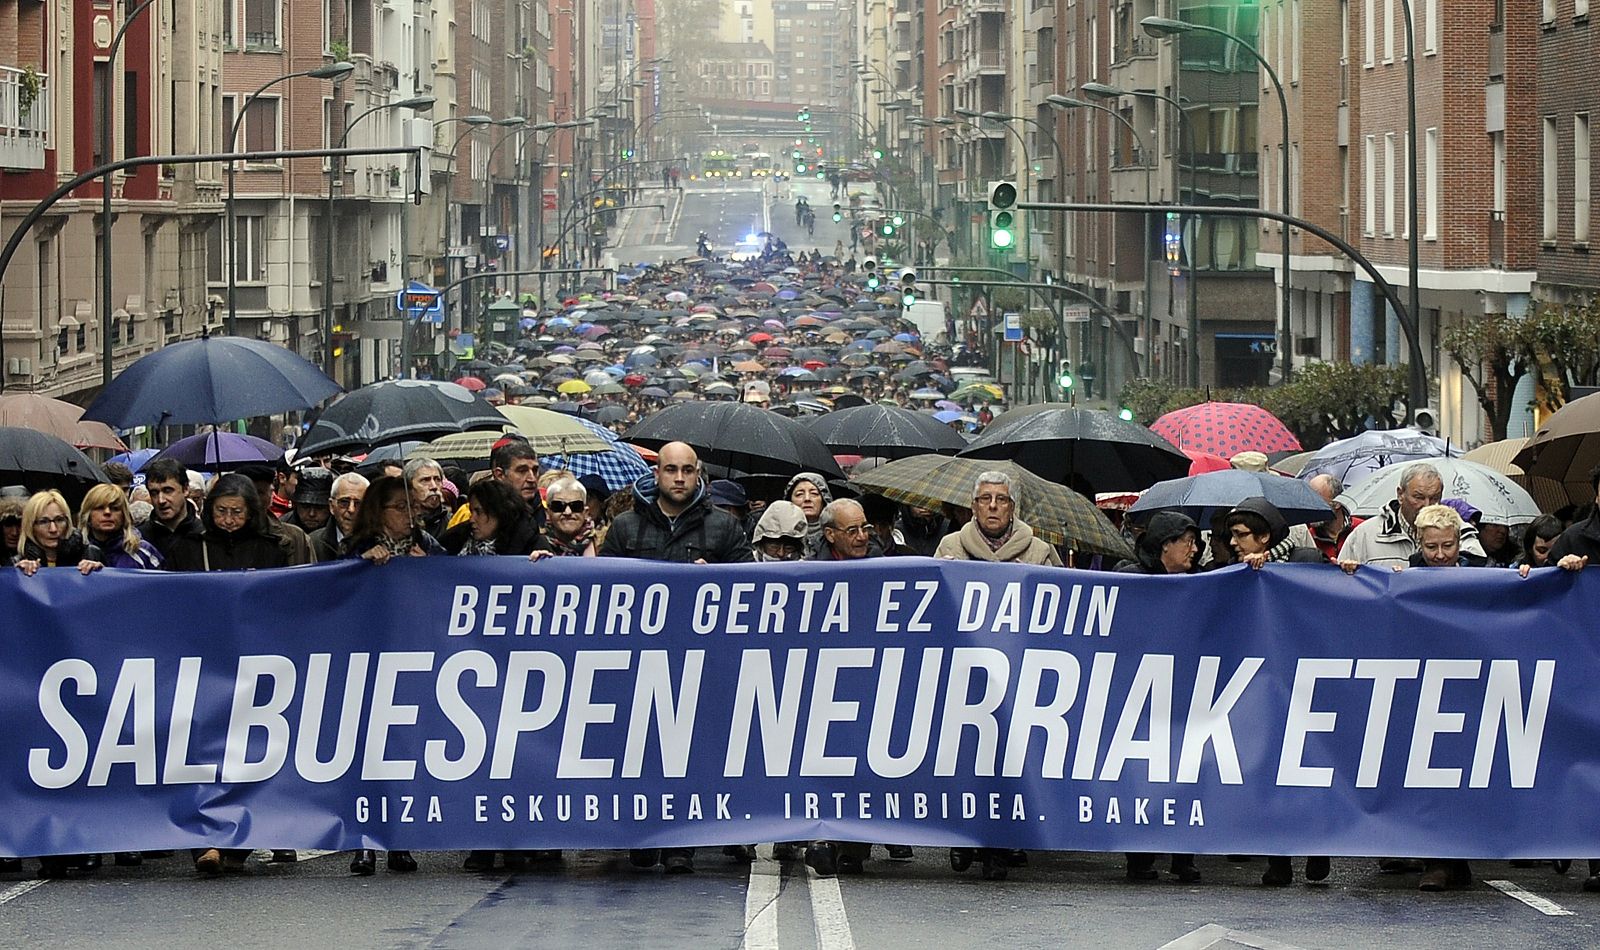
(568, 529)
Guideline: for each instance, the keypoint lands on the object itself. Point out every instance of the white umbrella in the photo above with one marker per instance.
(1501, 500)
(1357, 458)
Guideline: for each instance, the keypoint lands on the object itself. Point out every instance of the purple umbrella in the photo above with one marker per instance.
(947, 404)
(220, 451)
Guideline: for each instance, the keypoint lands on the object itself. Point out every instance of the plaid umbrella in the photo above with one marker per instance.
(1225, 429)
(1054, 512)
(620, 466)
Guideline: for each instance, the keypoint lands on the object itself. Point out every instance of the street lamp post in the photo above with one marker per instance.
(417, 104)
(538, 178)
(1067, 102)
(106, 354)
(1159, 27)
(333, 71)
(1100, 90)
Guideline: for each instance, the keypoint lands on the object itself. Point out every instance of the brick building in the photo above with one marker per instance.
(1568, 48)
(162, 98)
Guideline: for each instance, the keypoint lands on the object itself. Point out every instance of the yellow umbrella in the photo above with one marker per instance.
(573, 387)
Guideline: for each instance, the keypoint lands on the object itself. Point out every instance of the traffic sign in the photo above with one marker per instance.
(1075, 314)
(1013, 325)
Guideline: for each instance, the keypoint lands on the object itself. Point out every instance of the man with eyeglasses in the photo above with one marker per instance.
(846, 534)
(344, 505)
(995, 533)
(673, 520)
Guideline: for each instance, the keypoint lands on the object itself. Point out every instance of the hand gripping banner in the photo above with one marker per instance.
(492, 703)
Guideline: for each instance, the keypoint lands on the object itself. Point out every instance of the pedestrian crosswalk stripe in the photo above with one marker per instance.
(1543, 905)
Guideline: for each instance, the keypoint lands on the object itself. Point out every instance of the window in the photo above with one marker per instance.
(259, 133)
(1497, 141)
(130, 114)
(1388, 184)
(1430, 226)
(1370, 174)
(261, 24)
(1580, 178)
(1405, 190)
(250, 264)
(230, 35)
(1551, 182)
(1294, 178)
(1369, 20)
(1294, 33)
(1580, 8)
(1549, 14)
(1388, 31)
(1430, 26)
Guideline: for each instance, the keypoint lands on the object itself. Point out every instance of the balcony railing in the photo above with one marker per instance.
(22, 129)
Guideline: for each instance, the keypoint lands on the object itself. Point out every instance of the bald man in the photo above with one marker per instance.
(673, 520)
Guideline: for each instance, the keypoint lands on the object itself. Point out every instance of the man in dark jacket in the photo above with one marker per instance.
(1582, 540)
(673, 520)
(921, 530)
(172, 518)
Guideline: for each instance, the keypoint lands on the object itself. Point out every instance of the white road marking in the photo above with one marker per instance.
(827, 913)
(761, 902)
(17, 890)
(1218, 936)
(1543, 905)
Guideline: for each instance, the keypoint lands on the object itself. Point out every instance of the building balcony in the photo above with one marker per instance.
(23, 128)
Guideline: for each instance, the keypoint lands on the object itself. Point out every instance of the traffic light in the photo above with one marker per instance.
(1064, 376)
(838, 212)
(1125, 414)
(800, 168)
(888, 229)
(908, 287)
(804, 115)
(1002, 214)
(877, 154)
(871, 267)
(627, 153)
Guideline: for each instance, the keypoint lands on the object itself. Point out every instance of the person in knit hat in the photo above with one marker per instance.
(809, 492)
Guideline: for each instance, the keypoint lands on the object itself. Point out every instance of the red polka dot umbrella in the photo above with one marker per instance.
(1225, 429)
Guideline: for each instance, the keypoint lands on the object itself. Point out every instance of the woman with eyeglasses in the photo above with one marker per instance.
(233, 533)
(568, 530)
(47, 538)
(109, 532)
(386, 526)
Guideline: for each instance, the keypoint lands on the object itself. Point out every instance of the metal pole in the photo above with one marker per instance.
(1419, 376)
(106, 354)
(327, 242)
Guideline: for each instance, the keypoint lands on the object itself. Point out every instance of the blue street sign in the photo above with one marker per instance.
(418, 301)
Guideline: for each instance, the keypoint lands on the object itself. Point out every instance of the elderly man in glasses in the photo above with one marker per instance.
(344, 505)
(995, 533)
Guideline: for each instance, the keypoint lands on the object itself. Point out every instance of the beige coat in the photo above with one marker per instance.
(1022, 547)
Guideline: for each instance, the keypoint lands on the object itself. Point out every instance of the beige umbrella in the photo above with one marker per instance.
(1547, 492)
(60, 419)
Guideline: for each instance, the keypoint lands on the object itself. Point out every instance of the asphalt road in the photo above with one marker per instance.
(731, 213)
(594, 899)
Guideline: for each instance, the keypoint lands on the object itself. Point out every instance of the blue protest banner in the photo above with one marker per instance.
(494, 703)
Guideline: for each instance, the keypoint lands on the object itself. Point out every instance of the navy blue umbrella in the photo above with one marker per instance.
(1202, 497)
(214, 379)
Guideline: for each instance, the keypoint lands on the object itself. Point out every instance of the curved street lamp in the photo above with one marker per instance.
(334, 71)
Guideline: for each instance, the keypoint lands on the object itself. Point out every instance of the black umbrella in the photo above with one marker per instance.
(398, 409)
(733, 436)
(213, 379)
(38, 461)
(884, 431)
(1086, 449)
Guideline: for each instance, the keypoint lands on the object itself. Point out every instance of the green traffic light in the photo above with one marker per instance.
(907, 299)
(823, 175)
(1125, 414)
(1066, 381)
(888, 230)
(837, 217)
(872, 283)
(877, 154)
(800, 167)
(1002, 238)
(898, 220)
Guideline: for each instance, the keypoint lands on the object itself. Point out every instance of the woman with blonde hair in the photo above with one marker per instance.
(108, 531)
(47, 536)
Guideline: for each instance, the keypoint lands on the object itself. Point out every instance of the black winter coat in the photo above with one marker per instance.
(243, 550)
(1582, 539)
(701, 532)
(165, 539)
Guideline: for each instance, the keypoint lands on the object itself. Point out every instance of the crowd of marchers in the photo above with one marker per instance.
(275, 517)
